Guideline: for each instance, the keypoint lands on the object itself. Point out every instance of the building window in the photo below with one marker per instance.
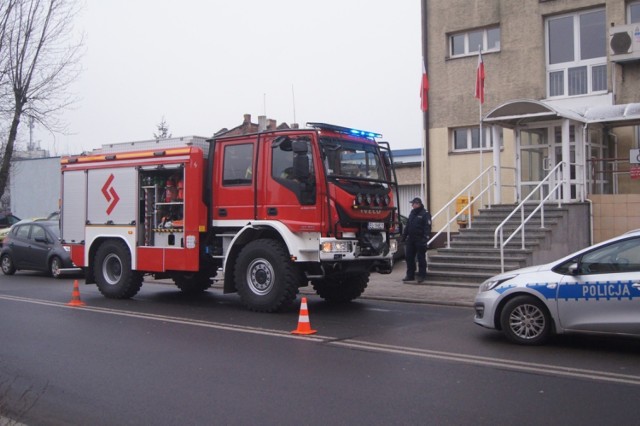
(468, 139)
(467, 43)
(634, 12)
(577, 54)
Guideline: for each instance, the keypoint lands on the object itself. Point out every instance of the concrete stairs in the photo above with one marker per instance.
(472, 258)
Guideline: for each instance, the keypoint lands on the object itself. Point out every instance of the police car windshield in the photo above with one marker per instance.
(352, 160)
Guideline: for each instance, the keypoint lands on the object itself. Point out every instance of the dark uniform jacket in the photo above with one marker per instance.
(418, 226)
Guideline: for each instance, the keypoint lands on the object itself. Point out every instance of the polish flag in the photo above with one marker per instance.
(424, 89)
(480, 79)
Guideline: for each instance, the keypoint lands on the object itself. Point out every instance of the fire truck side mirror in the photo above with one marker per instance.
(299, 146)
(387, 159)
(300, 159)
(301, 167)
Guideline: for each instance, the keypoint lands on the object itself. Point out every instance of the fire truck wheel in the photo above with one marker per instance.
(7, 265)
(193, 283)
(266, 279)
(341, 289)
(113, 273)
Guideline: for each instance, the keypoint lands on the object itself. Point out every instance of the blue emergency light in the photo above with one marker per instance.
(346, 130)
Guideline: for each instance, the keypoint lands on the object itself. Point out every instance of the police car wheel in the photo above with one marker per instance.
(526, 321)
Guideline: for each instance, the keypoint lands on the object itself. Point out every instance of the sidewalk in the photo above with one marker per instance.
(391, 287)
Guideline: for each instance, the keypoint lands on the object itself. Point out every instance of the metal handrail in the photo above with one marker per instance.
(555, 172)
(468, 209)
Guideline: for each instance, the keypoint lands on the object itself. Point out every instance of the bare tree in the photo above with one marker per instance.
(163, 130)
(6, 8)
(40, 61)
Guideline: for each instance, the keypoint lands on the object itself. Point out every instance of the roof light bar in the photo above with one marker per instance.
(346, 130)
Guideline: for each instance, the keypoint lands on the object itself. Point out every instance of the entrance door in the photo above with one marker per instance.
(534, 160)
(540, 151)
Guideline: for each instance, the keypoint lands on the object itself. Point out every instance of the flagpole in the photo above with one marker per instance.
(481, 146)
(480, 96)
(424, 105)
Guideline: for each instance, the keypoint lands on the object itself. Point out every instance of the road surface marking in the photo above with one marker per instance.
(501, 363)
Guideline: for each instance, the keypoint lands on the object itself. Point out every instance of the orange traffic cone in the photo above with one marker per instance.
(304, 326)
(75, 296)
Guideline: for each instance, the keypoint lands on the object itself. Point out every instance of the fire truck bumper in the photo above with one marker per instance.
(333, 250)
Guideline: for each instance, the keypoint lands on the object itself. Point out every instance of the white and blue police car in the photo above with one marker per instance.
(595, 290)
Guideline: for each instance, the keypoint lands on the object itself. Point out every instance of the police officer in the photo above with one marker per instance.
(415, 235)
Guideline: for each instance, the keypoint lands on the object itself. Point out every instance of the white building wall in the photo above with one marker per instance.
(35, 187)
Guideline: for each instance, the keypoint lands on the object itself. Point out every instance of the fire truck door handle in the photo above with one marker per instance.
(222, 212)
(272, 211)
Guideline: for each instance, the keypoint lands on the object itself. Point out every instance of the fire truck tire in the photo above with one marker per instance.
(193, 283)
(341, 289)
(113, 273)
(265, 277)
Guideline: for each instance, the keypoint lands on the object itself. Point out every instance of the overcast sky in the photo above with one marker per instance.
(202, 64)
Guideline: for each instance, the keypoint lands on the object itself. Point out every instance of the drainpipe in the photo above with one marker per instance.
(425, 114)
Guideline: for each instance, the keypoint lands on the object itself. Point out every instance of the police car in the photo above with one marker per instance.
(595, 290)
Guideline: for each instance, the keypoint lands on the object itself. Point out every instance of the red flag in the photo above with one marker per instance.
(480, 79)
(424, 89)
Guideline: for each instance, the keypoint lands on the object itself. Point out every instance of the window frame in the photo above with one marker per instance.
(237, 169)
(470, 51)
(633, 6)
(487, 140)
(593, 67)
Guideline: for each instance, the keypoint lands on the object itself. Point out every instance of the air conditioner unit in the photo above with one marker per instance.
(624, 43)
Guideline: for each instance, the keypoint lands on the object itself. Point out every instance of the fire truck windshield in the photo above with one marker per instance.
(352, 160)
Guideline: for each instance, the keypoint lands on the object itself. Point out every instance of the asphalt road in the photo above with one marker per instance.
(163, 359)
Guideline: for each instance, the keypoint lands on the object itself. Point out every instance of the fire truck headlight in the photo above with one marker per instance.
(369, 199)
(393, 244)
(336, 247)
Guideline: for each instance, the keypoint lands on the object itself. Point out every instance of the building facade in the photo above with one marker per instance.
(561, 111)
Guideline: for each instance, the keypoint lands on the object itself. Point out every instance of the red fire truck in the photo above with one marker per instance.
(270, 211)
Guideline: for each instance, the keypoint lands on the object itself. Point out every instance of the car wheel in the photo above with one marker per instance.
(341, 289)
(7, 265)
(266, 278)
(526, 321)
(54, 267)
(114, 276)
(193, 283)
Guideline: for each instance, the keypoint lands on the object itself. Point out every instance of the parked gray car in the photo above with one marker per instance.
(35, 246)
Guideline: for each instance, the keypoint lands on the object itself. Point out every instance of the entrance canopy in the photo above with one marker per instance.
(525, 111)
